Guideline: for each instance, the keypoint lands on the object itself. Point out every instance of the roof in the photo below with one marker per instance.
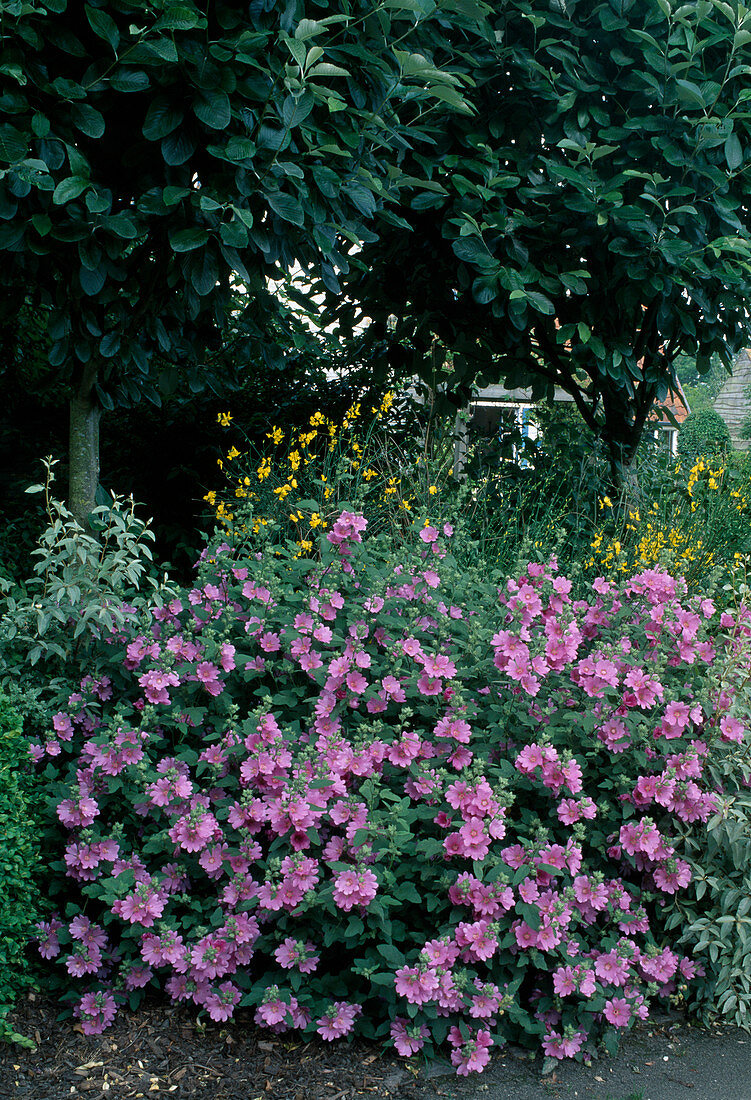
(675, 402)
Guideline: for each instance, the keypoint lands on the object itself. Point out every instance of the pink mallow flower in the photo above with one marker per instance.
(338, 1020)
(470, 1055)
(354, 888)
(408, 1037)
(96, 1011)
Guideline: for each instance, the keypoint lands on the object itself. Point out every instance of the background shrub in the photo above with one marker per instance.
(87, 588)
(703, 433)
(20, 862)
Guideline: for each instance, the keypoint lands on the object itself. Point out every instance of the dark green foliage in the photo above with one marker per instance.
(589, 223)
(19, 862)
(155, 156)
(703, 433)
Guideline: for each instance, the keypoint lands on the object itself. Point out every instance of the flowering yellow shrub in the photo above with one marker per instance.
(698, 522)
(305, 473)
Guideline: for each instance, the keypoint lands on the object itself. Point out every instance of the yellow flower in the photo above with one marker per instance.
(388, 401)
(232, 454)
(210, 497)
(283, 491)
(370, 473)
(432, 489)
(315, 520)
(276, 435)
(406, 506)
(316, 419)
(606, 502)
(220, 464)
(223, 419)
(295, 459)
(264, 469)
(351, 414)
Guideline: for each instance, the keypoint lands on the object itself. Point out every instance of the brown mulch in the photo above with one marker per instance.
(162, 1050)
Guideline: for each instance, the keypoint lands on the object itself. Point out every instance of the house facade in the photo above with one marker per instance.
(733, 402)
(491, 403)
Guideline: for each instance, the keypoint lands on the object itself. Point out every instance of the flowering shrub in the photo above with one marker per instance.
(693, 520)
(391, 795)
(298, 481)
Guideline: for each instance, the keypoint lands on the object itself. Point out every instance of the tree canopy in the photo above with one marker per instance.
(154, 155)
(589, 222)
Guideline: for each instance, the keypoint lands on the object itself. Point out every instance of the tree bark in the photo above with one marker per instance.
(83, 448)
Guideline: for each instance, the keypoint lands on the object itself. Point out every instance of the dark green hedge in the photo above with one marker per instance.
(20, 863)
(703, 433)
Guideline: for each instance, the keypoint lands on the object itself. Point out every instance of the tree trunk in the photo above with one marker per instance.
(84, 448)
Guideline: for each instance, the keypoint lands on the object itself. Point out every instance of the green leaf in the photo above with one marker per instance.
(41, 223)
(122, 225)
(286, 207)
(471, 250)
(161, 119)
(103, 25)
(296, 109)
(92, 281)
(69, 189)
(179, 17)
(325, 68)
(392, 955)
(177, 148)
(308, 28)
(690, 93)
(185, 240)
(40, 125)
(129, 80)
(87, 119)
(13, 144)
(213, 109)
(529, 913)
(733, 152)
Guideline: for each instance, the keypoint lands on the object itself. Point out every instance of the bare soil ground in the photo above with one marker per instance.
(163, 1050)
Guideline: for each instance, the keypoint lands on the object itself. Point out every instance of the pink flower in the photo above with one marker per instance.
(617, 1012)
(338, 1020)
(354, 888)
(556, 1045)
(96, 1011)
(297, 954)
(417, 984)
(220, 1001)
(470, 1055)
(732, 730)
(408, 1037)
